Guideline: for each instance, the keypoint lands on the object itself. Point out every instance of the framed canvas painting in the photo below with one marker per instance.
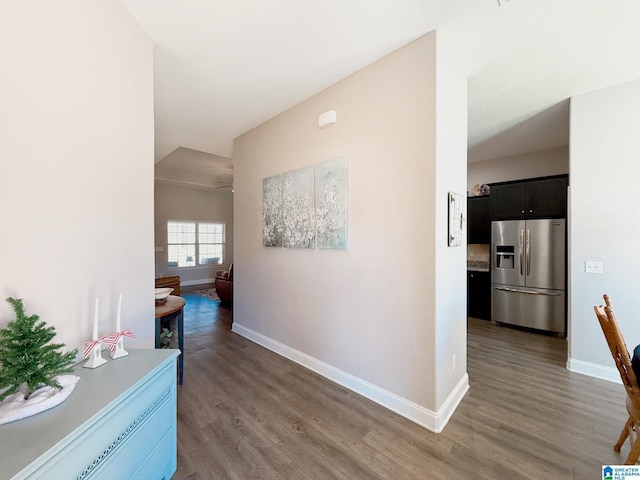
(332, 204)
(299, 208)
(272, 211)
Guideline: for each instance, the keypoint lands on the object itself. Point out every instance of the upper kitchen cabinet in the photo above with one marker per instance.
(478, 220)
(539, 198)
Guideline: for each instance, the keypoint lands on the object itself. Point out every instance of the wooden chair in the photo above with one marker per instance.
(620, 354)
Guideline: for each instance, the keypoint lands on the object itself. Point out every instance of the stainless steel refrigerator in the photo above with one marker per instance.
(528, 273)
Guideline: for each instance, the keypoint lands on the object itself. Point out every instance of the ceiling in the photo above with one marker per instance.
(224, 67)
(196, 168)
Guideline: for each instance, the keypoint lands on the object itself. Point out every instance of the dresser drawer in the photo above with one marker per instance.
(140, 446)
(161, 464)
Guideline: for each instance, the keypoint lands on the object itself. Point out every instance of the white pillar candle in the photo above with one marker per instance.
(119, 316)
(95, 322)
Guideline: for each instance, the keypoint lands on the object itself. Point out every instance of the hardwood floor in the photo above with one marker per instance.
(247, 413)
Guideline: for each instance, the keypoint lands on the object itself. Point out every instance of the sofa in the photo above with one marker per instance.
(224, 285)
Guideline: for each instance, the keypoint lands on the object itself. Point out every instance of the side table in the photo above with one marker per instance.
(172, 309)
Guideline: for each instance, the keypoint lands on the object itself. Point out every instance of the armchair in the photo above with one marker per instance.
(224, 285)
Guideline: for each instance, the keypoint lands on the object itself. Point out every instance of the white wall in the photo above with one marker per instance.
(554, 161)
(450, 273)
(604, 227)
(175, 201)
(76, 189)
(366, 317)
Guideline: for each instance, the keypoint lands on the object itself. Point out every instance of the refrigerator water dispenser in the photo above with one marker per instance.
(505, 256)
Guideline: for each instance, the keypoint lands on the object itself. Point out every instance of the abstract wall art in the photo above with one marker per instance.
(299, 208)
(306, 207)
(272, 211)
(332, 204)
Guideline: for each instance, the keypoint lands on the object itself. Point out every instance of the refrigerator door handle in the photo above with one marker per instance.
(528, 252)
(528, 292)
(520, 251)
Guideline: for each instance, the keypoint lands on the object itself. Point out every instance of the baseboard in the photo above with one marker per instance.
(188, 283)
(451, 403)
(594, 370)
(434, 421)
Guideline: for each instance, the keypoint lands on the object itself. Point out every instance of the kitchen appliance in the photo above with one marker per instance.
(528, 273)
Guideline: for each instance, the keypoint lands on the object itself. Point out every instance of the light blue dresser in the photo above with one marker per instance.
(119, 423)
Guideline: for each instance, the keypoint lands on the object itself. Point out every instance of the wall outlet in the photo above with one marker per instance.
(472, 253)
(453, 362)
(593, 267)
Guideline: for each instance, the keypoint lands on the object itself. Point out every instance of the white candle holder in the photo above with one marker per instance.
(115, 340)
(119, 351)
(95, 357)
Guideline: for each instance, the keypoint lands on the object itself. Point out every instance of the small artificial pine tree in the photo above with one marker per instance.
(27, 357)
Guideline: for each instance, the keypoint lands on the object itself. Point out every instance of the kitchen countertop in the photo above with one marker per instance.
(473, 266)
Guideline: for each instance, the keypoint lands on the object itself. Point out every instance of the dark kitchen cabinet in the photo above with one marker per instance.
(539, 198)
(479, 295)
(507, 201)
(478, 220)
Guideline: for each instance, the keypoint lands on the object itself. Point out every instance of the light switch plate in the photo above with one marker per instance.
(593, 267)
